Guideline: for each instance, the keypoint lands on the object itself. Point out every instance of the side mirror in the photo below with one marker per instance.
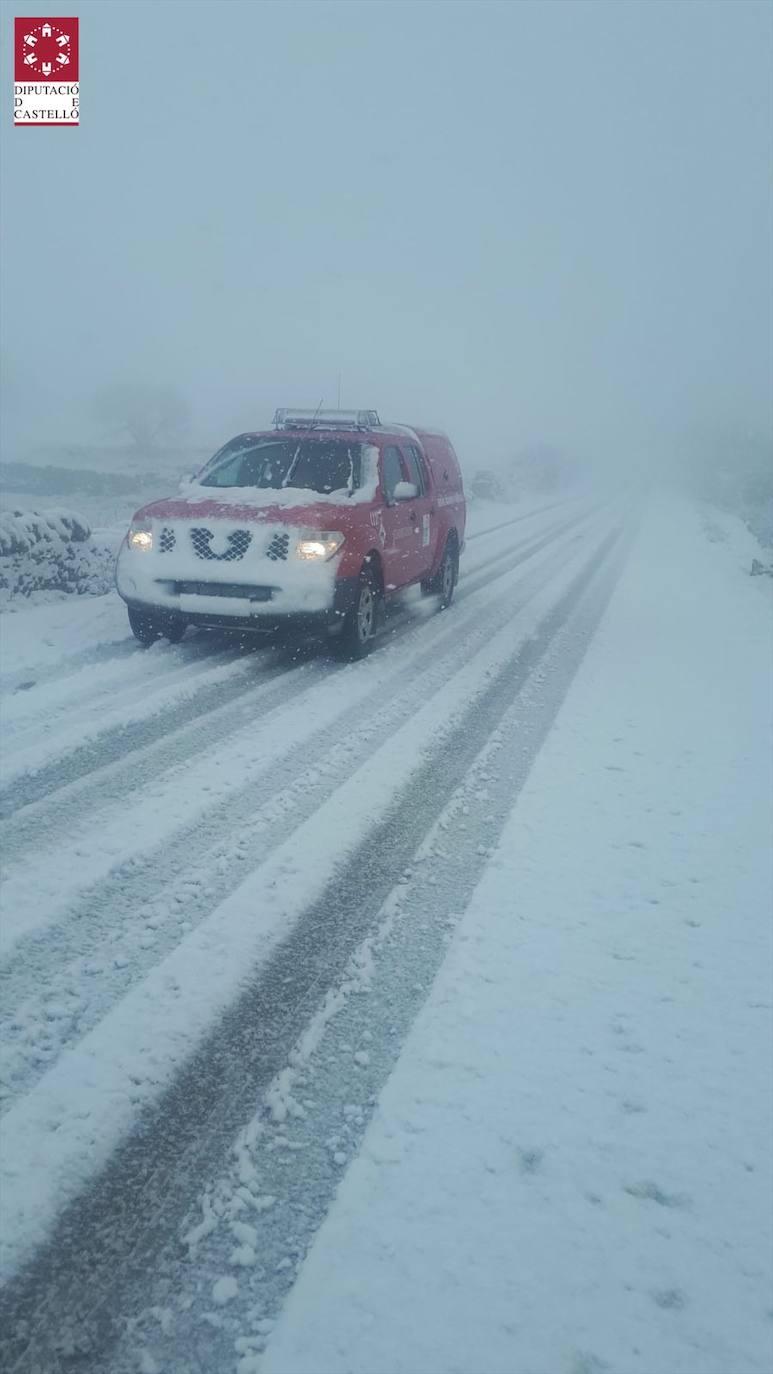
(405, 491)
(185, 482)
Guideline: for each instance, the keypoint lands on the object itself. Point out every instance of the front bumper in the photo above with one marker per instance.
(263, 609)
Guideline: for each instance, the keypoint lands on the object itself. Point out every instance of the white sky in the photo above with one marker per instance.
(519, 221)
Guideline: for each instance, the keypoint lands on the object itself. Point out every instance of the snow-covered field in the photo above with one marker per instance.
(249, 896)
(105, 497)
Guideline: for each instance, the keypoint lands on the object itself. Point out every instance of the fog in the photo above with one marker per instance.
(526, 223)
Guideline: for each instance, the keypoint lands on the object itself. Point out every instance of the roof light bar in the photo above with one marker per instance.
(285, 418)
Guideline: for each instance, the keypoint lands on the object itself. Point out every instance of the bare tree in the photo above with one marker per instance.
(148, 413)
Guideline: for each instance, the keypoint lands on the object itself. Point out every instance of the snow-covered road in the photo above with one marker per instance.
(569, 1172)
(223, 865)
(172, 816)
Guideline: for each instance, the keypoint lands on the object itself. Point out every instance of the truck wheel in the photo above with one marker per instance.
(446, 578)
(443, 583)
(360, 621)
(147, 628)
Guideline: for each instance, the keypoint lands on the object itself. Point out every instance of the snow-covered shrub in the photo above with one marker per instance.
(733, 468)
(50, 551)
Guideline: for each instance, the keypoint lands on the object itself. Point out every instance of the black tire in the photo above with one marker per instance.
(446, 576)
(174, 629)
(147, 627)
(361, 621)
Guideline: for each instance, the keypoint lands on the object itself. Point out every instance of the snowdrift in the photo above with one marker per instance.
(50, 551)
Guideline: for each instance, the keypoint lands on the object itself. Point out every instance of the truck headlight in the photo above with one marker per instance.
(140, 536)
(314, 545)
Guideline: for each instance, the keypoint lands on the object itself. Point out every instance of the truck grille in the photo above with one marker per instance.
(166, 540)
(278, 548)
(238, 542)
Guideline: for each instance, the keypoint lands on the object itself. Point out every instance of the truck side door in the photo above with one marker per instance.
(423, 512)
(399, 537)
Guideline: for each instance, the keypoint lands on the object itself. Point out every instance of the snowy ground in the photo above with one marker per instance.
(570, 1168)
(231, 878)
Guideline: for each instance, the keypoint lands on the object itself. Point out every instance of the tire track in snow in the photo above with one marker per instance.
(153, 718)
(76, 687)
(162, 729)
(137, 916)
(525, 515)
(115, 1238)
(24, 680)
(312, 1119)
(36, 779)
(71, 712)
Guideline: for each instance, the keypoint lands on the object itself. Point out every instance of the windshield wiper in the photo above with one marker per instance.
(292, 467)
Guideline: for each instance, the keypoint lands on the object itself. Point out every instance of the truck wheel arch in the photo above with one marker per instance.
(452, 539)
(372, 560)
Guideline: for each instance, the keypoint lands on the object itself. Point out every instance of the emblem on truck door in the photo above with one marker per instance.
(377, 520)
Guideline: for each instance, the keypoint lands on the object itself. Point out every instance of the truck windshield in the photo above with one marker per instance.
(323, 465)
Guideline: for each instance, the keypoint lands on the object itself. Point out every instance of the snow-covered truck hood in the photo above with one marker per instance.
(302, 509)
(201, 546)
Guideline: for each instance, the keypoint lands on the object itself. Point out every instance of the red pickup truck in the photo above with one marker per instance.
(316, 523)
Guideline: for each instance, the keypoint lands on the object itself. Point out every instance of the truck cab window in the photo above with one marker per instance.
(392, 468)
